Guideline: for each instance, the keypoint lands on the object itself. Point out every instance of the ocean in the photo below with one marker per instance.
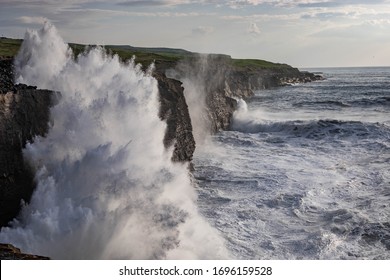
(304, 173)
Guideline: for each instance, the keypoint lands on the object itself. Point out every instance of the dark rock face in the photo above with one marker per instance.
(206, 77)
(174, 111)
(220, 83)
(6, 76)
(10, 252)
(24, 113)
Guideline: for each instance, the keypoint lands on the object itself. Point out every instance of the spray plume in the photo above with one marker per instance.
(106, 187)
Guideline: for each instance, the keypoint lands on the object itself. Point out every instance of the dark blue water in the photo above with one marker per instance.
(305, 171)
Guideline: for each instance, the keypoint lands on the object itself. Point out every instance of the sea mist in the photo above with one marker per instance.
(106, 187)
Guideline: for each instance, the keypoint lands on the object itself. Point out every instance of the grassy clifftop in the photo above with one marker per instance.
(163, 57)
(9, 47)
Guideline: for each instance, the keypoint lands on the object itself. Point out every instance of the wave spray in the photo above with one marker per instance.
(106, 187)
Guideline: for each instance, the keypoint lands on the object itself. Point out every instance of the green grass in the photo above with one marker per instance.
(257, 63)
(9, 47)
(146, 56)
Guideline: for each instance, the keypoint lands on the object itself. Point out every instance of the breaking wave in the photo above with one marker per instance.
(106, 187)
(251, 121)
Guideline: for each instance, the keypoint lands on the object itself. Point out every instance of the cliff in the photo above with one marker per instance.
(25, 112)
(221, 80)
(174, 110)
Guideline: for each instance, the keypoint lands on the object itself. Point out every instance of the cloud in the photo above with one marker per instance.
(369, 30)
(33, 20)
(202, 30)
(46, 2)
(280, 3)
(305, 3)
(144, 3)
(254, 29)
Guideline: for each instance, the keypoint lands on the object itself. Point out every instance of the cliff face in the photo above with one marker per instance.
(218, 82)
(174, 110)
(24, 113)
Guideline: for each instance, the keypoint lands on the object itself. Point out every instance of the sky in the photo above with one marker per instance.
(302, 33)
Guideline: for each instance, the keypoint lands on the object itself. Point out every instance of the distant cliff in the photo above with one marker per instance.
(222, 80)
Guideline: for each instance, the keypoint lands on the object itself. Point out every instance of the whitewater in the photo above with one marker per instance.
(304, 171)
(106, 185)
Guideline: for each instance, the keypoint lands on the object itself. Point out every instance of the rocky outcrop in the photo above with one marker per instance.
(243, 82)
(174, 111)
(10, 252)
(6, 75)
(24, 113)
(220, 82)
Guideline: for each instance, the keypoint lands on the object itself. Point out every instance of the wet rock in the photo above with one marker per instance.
(6, 75)
(24, 114)
(174, 110)
(10, 252)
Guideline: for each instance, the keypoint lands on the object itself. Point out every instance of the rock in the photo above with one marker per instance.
(24, 114)
(6, 75)
(222, 83)
(174, 111)
(10, 252)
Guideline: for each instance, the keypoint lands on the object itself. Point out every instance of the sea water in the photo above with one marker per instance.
(304, 173)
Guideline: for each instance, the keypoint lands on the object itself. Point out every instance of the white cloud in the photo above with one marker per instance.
(305, 3)
(141, 3)
(33, 20)
(280, 3)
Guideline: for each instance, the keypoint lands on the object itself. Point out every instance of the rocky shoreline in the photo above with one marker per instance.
(25, 113)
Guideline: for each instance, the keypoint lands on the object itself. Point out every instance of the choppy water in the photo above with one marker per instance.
(305, 171)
